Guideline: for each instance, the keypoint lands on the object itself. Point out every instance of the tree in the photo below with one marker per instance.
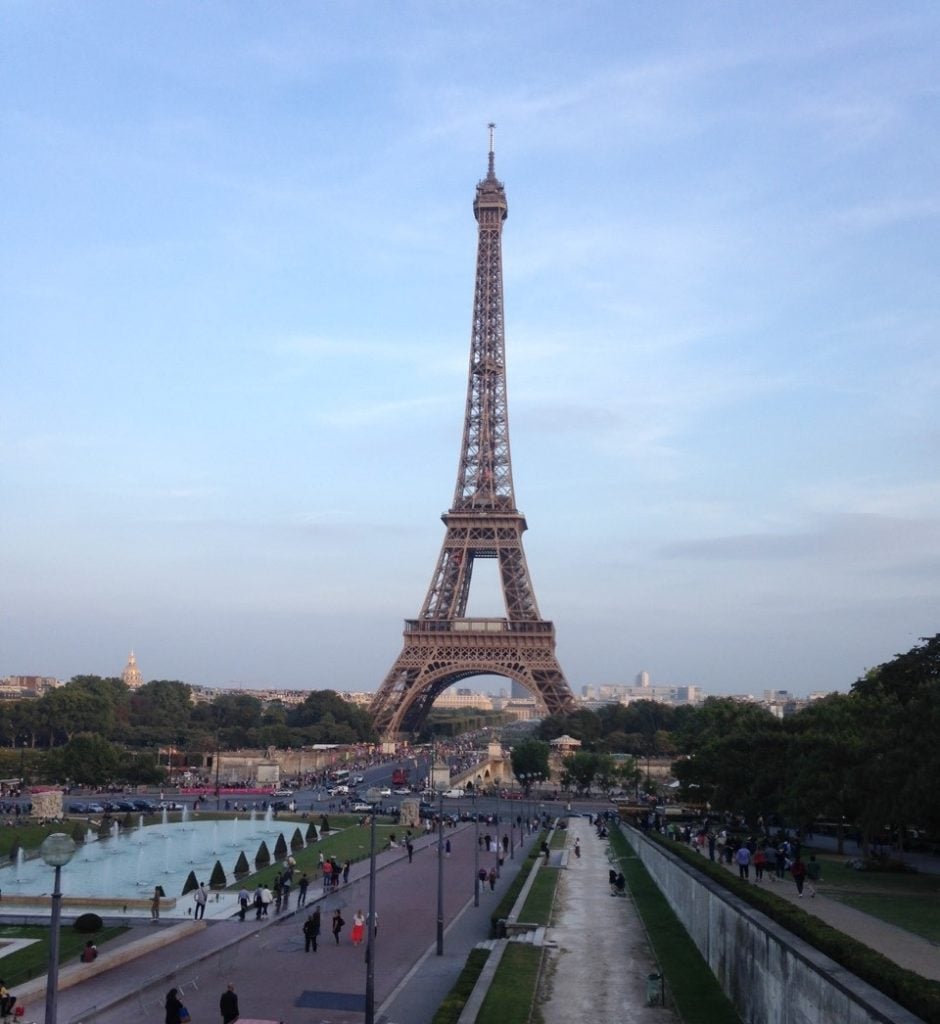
(529, 761)
(582, 768)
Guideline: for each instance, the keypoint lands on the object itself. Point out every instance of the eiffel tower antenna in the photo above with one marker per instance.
(443, 646)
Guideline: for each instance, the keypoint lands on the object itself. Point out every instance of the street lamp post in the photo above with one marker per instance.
(373, 796)
(56, 850)
(476, 851)
(440, 872)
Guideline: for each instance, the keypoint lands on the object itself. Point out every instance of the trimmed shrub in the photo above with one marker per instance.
(280, 847)
(88, 923)
(297, 840)
(242, 866)
(191, 883)
(312, 835)
(78, 833)
(217, 879)
(263, 856)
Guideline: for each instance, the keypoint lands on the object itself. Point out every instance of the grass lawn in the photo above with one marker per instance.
(33, 960)
(908, 901)
(351, 842)
(538, 905)
(693, 988)
(513, 990)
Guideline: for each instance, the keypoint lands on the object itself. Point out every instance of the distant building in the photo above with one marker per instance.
(133, 680)
(18, 687)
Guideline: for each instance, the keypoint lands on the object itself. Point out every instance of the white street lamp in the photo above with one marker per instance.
(56, 850)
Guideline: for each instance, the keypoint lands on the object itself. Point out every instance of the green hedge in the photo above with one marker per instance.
(919, 995)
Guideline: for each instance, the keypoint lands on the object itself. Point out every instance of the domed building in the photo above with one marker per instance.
(131, 674)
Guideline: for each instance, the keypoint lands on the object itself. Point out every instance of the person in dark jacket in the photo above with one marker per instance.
(173, 1007)
(228, 1004)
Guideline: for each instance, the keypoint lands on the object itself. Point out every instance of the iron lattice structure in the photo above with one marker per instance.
(443, 646)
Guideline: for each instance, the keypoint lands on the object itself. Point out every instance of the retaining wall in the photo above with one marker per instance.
(770, 975)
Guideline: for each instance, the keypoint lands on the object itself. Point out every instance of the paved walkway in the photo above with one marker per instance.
(580, 982)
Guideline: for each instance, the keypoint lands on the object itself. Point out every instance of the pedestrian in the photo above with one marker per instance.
(813, 874)
(492, 879)
(173, 1007)
(89, 953)
(155, 905)
(259, 902)
(346, 868)
(410, 847)
(358, 928)
(338, 923)
(312, 931)
(545, 850)
(267, 898)
(577, 848)
(447, 847)
(327, 868)
(798, 870)
(243, 900)
(201, 898)
(743, 859)
(759, 860)
(228, 1004)
(302, 886)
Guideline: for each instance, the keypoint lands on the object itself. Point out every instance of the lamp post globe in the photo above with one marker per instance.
(57, 849)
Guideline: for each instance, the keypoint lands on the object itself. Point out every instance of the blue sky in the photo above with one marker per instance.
(238, 250)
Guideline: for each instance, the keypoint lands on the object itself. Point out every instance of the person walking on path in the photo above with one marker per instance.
(338, 923)
(312, 931)
(173, 1007)
(759, 861)
(228, 1005)
(492, 879)
(577, 848)
(327, 869)
(155, 905)
(813, 874)
(201, 898)
(302, 889)
(358, 928)
(798, 870)
(410, 847)
(243, 903)
(743, 859)
(346, 868)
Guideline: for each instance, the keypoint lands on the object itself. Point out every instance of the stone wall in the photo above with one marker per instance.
(771, 976)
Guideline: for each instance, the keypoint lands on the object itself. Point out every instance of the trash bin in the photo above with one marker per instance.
(655, 990)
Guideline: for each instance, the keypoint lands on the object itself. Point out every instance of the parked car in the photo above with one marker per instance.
(402, 792)
(94, 809)
(385, 791)
(453, 794)
(170, 805)
(144, 805)
(283, 792)
(77, 808)
(362, 808)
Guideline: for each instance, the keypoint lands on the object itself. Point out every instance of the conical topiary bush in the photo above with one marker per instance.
(297, 840)
(191, 883)
(280, 848)
(312, 835)
(217, 879)
(263, 856)
(242, 866)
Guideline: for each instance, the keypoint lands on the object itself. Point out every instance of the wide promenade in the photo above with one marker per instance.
(276, 980)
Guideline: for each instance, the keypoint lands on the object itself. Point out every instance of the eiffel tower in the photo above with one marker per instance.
(443, 646)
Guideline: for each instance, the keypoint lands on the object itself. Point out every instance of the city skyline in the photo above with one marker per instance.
(236, 297)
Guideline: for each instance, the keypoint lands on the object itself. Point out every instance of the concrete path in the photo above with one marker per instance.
(598, 969)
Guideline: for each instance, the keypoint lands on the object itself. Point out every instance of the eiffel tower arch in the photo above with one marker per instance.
(443, 645)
